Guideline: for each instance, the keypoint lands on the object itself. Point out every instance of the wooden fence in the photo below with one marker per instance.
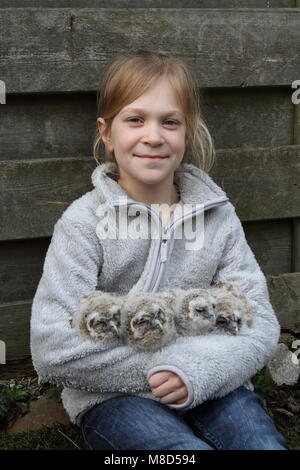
(52, 56)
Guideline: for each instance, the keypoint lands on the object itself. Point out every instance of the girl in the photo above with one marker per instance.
(194, 393)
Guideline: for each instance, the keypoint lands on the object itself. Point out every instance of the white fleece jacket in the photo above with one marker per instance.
(79, 261)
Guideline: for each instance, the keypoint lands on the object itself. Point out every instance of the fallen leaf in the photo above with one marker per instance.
(283, 411)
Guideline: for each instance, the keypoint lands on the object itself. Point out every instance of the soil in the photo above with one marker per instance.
(282, 403)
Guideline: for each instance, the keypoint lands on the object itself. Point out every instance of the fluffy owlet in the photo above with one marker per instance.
(147, 320)
(233, 310)
(220, 309)
(194, 311)
(98, 316)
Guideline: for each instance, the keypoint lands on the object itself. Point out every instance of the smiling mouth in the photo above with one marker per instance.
(153, 157)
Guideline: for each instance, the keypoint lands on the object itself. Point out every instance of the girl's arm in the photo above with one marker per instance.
(215, 364)
(59, 353)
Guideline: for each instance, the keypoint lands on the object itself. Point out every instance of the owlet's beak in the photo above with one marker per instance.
(158, 324)
(113, 326)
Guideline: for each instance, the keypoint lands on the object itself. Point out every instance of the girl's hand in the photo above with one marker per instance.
(169, 387)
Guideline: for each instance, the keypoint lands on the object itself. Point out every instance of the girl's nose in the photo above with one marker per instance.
(153, 134)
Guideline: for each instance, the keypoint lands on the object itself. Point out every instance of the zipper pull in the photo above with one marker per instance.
(163, 251)
(164, 245)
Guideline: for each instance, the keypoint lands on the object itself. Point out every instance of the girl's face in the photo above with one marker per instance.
(151, 125)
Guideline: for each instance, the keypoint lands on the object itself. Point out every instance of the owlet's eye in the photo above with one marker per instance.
(141, 322)
(198, 309)
(98, 323)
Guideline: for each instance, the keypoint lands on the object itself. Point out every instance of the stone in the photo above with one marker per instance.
(284, 366)
(287, 339)
(43, 412)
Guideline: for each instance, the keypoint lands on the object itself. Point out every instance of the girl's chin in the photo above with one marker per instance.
(152, 177)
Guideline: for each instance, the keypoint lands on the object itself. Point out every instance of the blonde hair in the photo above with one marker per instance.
(127, 77)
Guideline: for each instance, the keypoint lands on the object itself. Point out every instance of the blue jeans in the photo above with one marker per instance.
(237, 421)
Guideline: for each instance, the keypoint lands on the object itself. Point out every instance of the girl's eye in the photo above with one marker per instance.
(173, 122)
(135, 119)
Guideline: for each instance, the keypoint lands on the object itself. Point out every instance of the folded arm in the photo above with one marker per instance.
(59, 353)
(214, 365)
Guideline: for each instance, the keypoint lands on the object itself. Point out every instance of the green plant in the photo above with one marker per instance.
(13, 401)
(263, 382)
(54, 392)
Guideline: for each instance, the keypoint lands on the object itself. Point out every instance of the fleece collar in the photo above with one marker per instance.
(195, 185)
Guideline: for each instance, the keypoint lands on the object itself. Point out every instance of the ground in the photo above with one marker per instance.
(32, 408)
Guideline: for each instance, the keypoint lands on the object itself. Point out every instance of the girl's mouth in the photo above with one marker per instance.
(153, 157)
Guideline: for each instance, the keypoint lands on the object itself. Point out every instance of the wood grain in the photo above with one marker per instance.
(50, 50)
(262, 183)
(284, 293)
(63, 125)
(149, 3)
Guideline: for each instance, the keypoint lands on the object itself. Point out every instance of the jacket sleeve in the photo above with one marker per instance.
(59, 353)
(213, 365)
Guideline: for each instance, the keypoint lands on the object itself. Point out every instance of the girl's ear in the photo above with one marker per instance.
(103, 131)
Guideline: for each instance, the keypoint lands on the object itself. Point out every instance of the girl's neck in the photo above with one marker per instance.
(161, 193)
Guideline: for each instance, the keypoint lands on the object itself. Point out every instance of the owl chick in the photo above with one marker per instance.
(147, 320)
(220, 309)
(232, 308)
(98, 316)
(194, 311)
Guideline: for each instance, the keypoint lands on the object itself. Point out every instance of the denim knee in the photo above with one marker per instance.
(129, 422)
(236, 421)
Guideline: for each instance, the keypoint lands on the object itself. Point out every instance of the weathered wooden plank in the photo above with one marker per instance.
(148, 3)
(21, 268)
(66, 49)
(262, 183)
(34, 193)
(63, 125)
(296, 136)
(22, 261)
(296, 245)
(15, 329)
(47, 126)
(14, 369)
(296, 221)
(271, 244)
(284, 293)
(249, 117)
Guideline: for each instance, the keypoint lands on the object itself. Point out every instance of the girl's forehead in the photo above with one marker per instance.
(145, 110)
(159, 98)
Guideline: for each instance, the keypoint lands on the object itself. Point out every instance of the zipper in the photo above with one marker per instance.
(164, 245)
(141, 205)
(161, 253)
(156, 274)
